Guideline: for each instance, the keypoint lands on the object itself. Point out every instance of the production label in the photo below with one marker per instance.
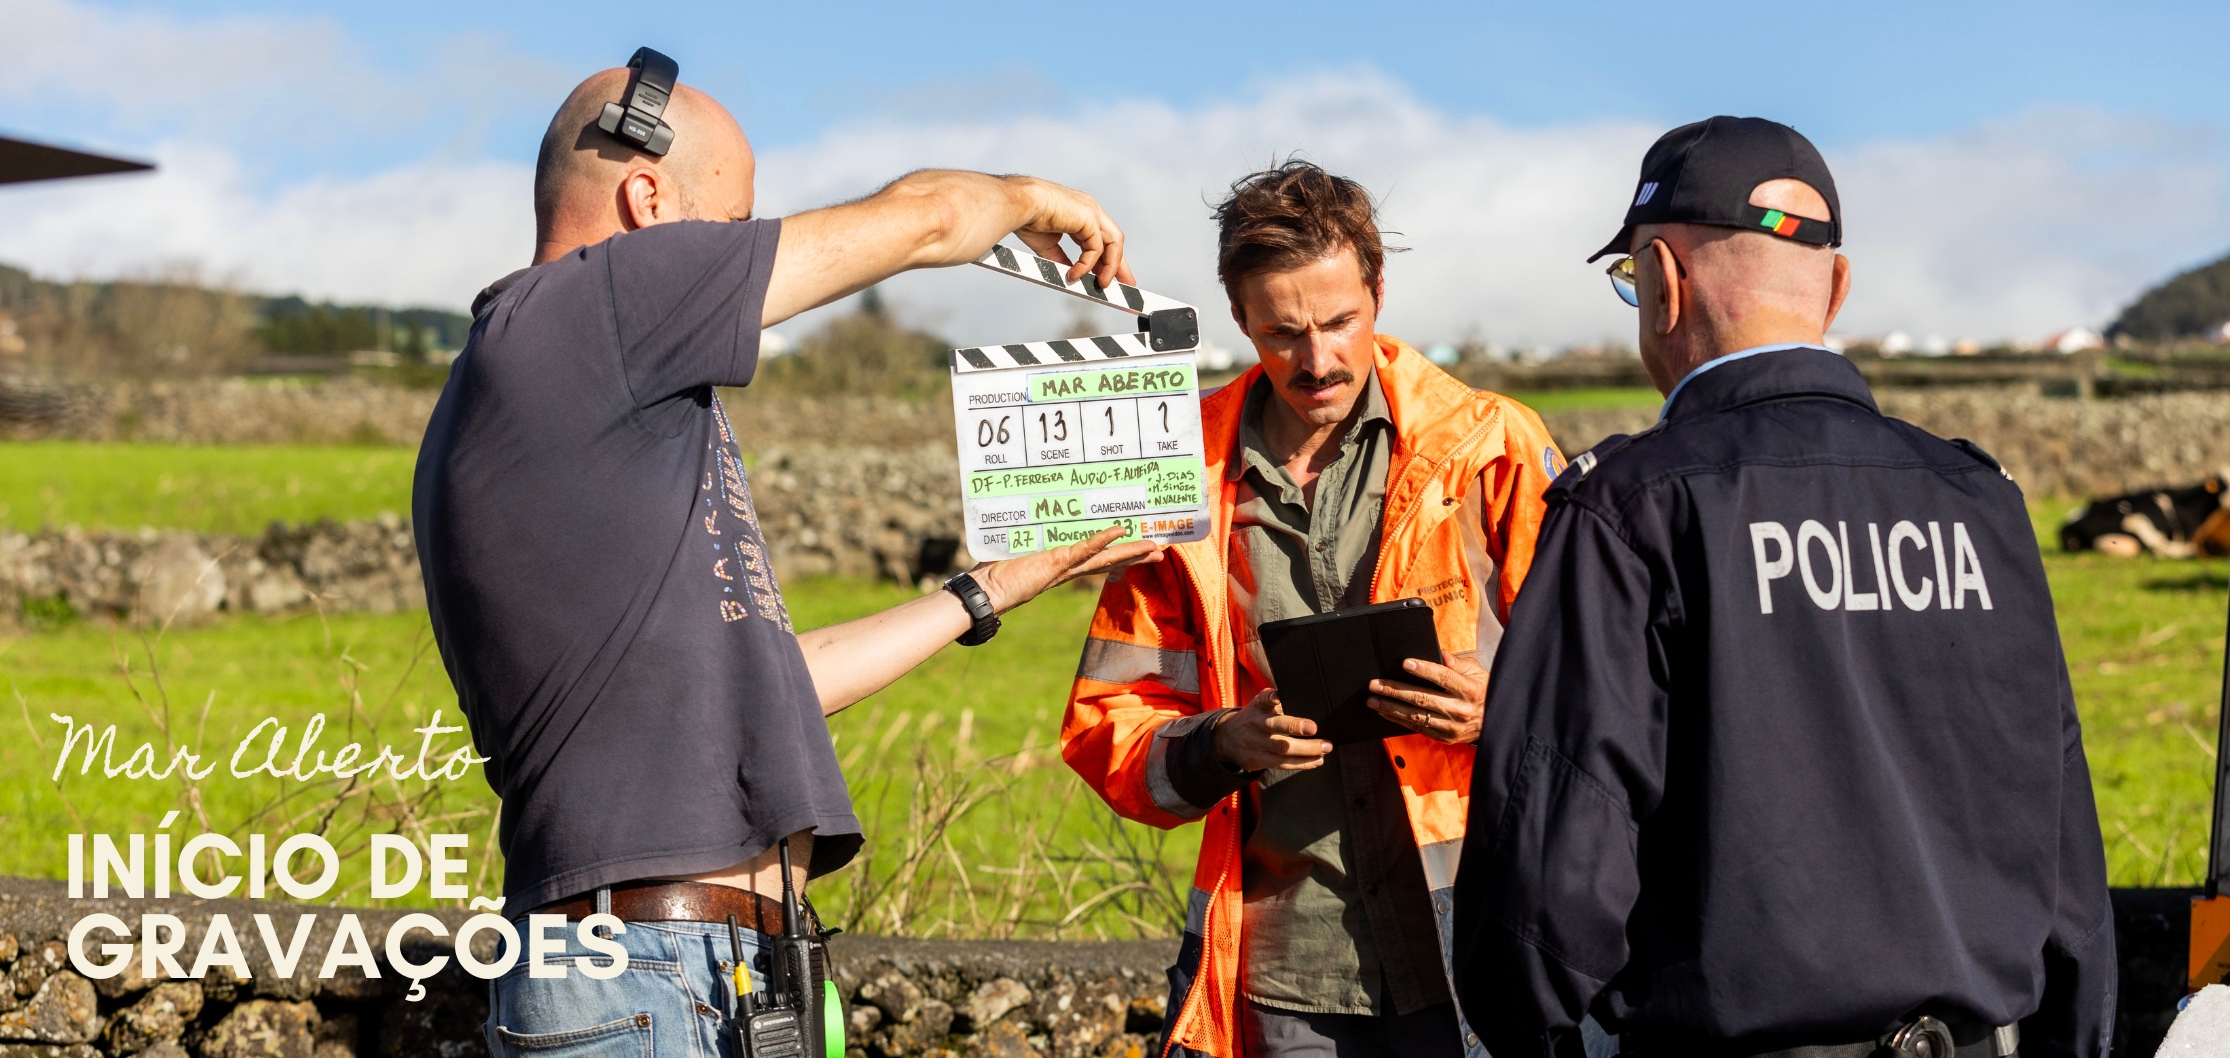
(1051, 454)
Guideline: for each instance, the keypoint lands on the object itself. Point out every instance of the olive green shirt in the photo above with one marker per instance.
(1337, 912)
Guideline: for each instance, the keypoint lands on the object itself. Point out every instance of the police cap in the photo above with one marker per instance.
(1703, 173)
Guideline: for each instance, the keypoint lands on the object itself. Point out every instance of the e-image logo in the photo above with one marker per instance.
(1833, 582)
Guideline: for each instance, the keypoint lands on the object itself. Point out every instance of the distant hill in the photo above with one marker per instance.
(292, 325)
(2186, 306)
(179, 323)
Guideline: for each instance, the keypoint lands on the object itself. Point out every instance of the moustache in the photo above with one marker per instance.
(1334, 377)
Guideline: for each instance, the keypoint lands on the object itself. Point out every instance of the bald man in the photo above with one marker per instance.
(595, 569)
(1779, 755)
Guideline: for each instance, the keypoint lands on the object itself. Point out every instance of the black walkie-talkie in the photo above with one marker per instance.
(784, 1021)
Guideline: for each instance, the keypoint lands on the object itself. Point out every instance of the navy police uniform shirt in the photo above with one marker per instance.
(1779, 748)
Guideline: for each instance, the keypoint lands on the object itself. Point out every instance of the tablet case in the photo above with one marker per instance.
(1324, 664)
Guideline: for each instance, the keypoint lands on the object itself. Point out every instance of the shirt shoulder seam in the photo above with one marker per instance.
(1635, 490)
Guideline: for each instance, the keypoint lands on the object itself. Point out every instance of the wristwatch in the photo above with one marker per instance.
(978, 603)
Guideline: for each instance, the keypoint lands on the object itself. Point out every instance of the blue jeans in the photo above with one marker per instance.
(672, 1002)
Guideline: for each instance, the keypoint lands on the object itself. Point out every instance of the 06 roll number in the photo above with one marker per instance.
(988, 435)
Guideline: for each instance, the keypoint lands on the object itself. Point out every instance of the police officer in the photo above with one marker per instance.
(1779, 755)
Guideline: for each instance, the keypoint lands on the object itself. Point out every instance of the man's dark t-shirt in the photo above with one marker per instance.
(597, 579)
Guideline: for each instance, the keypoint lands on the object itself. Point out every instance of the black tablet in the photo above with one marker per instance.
(1324, 664)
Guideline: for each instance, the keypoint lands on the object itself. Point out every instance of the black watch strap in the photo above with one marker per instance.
(978, 603)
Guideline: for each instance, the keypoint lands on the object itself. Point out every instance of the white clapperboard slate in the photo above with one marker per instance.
(1059, 440)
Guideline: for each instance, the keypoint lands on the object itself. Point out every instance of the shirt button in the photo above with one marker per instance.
(1440, 906)
(1471, 1039)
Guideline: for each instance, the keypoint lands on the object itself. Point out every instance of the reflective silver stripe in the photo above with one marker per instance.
(1483, 573)
(1158, 785)
(1111, 661)
(1196, 913)
(1440, 859)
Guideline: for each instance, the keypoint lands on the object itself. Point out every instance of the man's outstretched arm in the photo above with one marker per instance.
(857, 658)
(932, 219)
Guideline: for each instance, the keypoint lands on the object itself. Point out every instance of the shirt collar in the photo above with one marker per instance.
(1796, 371)
(1254, 451)
(1740, 354)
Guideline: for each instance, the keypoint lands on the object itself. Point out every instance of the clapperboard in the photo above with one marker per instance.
(1061, 439)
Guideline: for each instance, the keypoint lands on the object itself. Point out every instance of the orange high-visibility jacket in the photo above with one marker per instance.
(1463, 503)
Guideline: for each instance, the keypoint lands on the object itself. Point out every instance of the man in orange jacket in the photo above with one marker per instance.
(1350, 471)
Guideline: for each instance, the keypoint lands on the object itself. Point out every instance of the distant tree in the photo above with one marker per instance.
(413, 345)
(867, 352)
(292, 325)
(168, 321)
(174, 320)
(2190, 304)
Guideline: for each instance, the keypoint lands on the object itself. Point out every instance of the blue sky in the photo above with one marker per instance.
(2091, 137)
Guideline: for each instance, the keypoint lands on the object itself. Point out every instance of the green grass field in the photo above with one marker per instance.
(1588, 399)
(2144, 644)
(976, 828)
(971, 730)
(211, 489)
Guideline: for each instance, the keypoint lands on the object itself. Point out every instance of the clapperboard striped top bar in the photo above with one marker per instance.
(1067, 350)
(1165, 325)
(1034, 269)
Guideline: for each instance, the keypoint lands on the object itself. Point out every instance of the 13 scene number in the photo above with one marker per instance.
(986, 436)
(1058, 429)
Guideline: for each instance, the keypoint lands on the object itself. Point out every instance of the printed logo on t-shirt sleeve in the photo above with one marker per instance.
(728, 493)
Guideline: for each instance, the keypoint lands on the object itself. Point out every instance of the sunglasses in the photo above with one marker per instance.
(1621, 272)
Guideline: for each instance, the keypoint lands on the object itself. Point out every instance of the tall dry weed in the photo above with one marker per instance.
(1064, 867)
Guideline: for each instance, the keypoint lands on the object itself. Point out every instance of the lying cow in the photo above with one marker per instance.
(2171, 523)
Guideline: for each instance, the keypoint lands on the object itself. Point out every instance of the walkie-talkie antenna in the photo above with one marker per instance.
(735, 948)
(792, 922)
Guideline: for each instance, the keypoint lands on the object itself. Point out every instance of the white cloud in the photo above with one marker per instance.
(1499, 220)
(261, 126)
(260, 83)
(2014, 228)
(2049, 220)
(432, 233)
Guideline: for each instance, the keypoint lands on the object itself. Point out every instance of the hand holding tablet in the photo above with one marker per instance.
(1374, 672)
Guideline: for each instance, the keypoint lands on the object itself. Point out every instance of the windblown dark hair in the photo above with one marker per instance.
(1289, 216)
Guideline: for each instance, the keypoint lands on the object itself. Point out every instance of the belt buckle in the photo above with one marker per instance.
(1922, 1037)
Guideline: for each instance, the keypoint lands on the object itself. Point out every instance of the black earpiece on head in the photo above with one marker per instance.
(638, 119)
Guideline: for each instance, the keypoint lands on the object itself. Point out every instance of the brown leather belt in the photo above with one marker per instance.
(677, 902)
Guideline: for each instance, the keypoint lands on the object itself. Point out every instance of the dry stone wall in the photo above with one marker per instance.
(856, 511)
(340, 411)
(2080, 448)
(217, 411)
(172, 577)
(845, 486)
(2051, 446)
(946, 999)
(886, 448)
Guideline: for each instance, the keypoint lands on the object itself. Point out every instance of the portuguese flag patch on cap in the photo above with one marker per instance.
(1780, 223)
